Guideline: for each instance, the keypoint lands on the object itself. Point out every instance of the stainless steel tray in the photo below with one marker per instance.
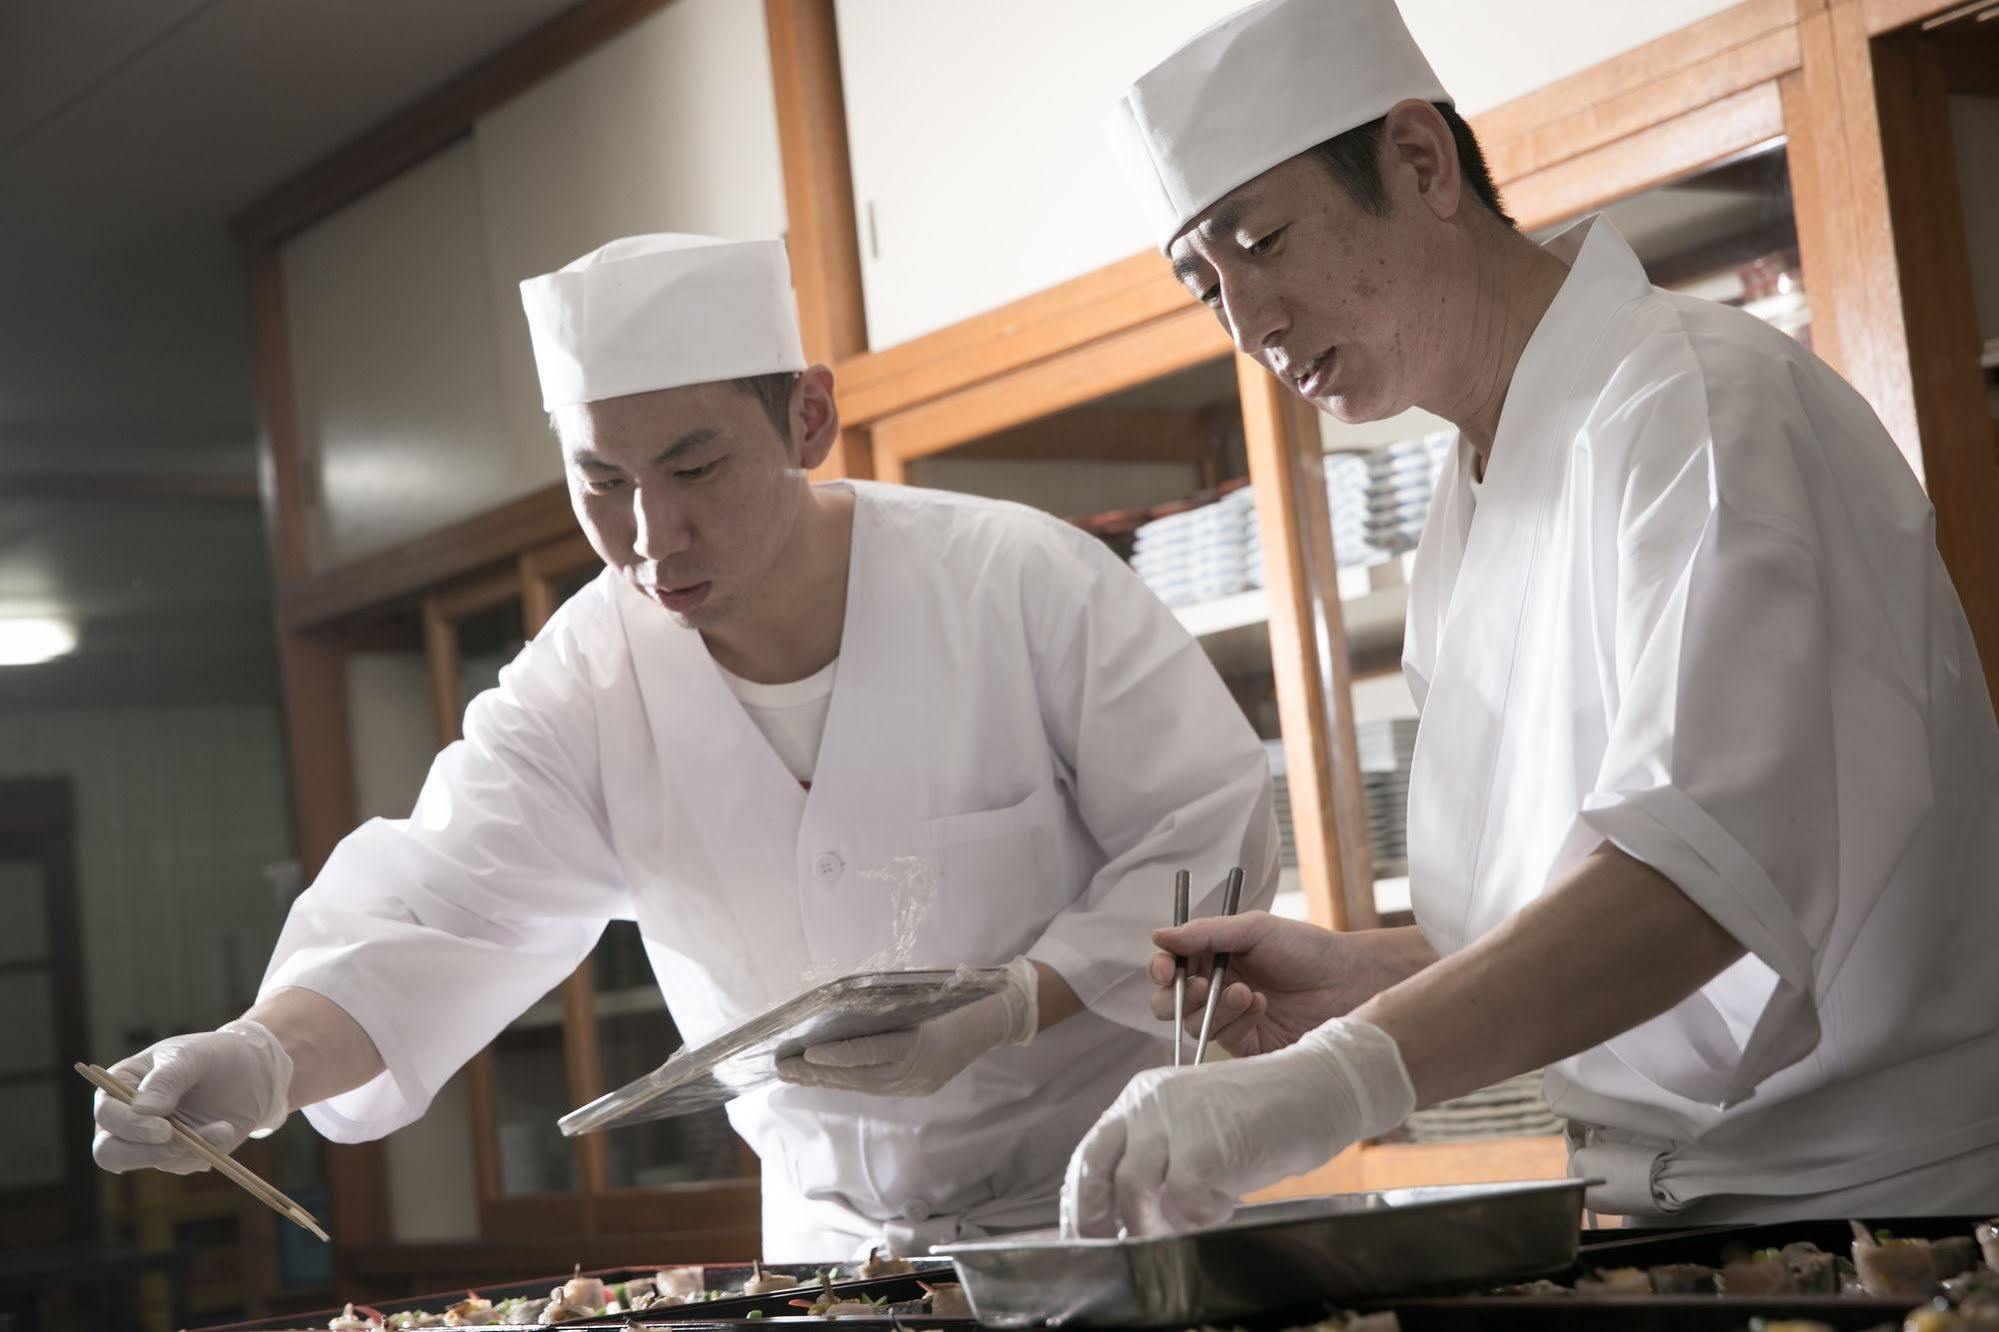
(1274, 1256)
(745, 1058)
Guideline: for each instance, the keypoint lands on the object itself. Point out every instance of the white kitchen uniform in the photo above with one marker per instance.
(1011, 706)
(1696, 610)
(791, 716)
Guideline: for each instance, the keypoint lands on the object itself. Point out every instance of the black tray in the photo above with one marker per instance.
(894, 1288)
(1693, 1313)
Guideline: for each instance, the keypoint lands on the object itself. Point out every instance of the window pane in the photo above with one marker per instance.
(24, 912)
(27, 1037)
(531, 1089)
(31, 1149)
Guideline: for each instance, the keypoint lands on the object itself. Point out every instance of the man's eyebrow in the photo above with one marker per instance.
(693, 439)
(1226, 217)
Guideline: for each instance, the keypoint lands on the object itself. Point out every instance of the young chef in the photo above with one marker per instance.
(1704, 812)
(775, 698)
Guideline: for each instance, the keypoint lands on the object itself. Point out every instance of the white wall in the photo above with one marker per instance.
(178, 812)
(981, 172)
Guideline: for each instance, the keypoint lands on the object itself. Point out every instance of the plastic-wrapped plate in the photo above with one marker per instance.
(745, 1058)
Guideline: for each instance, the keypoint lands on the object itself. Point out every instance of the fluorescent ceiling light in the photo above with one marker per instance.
(30, 642)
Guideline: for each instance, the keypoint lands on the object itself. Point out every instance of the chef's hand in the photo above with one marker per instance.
(918, 1060)
(1180, 1145)
(229, 1084)
(1285, 976)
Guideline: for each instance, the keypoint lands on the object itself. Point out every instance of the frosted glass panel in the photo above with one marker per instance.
(1002, 181)
(31, 1149)
(394, 359)
(670, 127)
(24, 912)
(27, 1036)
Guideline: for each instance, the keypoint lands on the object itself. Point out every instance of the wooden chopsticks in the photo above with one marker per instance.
(222, 1161)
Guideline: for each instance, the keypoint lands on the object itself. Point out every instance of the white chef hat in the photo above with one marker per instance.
(660, 311)
(1257, 88)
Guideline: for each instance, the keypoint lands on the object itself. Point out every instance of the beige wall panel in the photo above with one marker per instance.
(670, 127)
(394, 357)
(981, 170)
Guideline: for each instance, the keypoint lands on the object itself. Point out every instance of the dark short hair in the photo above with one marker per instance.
(1354, 158)
(773, 394)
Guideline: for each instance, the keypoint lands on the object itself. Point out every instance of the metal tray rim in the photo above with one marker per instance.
(1445, 1195)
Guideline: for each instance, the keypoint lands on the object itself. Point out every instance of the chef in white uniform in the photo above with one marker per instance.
(1704, 812)
(792, 731)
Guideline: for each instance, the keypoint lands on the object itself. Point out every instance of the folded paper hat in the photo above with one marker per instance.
(1255, 89)
(659, 312)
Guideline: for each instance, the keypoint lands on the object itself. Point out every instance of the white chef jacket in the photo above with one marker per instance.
(1012, 708)
(1696, 610)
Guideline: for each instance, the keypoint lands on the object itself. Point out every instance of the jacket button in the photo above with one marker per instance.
(827, 865)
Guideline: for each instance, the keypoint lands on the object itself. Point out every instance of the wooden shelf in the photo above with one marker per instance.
(1236, 629)
(1366, 1167)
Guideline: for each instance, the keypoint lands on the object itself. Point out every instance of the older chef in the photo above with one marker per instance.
(1704, 815)
(773, 689)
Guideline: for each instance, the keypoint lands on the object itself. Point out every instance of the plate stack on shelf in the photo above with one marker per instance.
(1401, 478)
(1514, 1108)
(1346, 504)
(1281, 799)
(1386, 748)
(1202, 554)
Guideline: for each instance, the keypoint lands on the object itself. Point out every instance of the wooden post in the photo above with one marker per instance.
(819, 198)
(582, 1056)
(1308, 652)
(1940, 320)
(313, 674)
(1841, 204)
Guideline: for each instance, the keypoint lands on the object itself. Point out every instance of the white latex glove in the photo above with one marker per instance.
(229, 1084)
(1179, 1146)
(918, 1060)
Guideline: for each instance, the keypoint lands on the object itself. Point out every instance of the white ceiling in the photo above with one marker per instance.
(130, 132)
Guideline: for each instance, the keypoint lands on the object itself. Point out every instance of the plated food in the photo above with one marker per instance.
(592, 1298)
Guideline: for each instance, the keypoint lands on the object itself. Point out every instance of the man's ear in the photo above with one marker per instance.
(815, 417)
(1415, 137)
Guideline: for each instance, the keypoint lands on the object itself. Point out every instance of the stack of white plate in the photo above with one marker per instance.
(1514, 1108)
(1401, 478)
(1281, 798)
(1202, 554)
(1386, 748)
(1346, 503)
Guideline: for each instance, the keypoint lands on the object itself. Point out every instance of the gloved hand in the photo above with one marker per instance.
(229, 1084)
(918, 1060)
(1179, 1146)
(1285, 976)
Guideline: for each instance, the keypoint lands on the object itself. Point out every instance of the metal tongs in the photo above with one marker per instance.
(1181, 881)
(1231, 899)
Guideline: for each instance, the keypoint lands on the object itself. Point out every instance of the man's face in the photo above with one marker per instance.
(1331, 299)
(690, 493)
